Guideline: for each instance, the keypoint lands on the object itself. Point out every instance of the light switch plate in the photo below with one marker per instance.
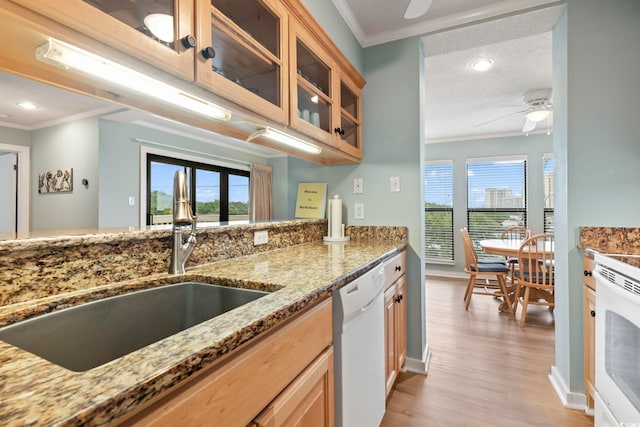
(395, 184)
(132, 201)
(358, 185)
(358, 211)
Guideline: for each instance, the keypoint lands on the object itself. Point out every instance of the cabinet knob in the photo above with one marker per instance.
(592, 313)
(188, 42)
(588, 273)
(339, 131)
(208, 52)
(398, 268)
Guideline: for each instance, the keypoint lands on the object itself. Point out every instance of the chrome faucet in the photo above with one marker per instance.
(182, 216)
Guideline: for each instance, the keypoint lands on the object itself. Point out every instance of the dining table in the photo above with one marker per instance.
(502, 247)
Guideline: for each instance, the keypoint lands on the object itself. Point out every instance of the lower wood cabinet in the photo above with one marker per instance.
(286, 375)
(308, 401)
(589, 328)
(395, 318)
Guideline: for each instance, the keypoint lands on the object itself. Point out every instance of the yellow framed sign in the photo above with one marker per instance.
(312, 200)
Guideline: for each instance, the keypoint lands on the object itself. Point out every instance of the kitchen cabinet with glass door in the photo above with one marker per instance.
(159, 32)
(325, 103)
(242, 54)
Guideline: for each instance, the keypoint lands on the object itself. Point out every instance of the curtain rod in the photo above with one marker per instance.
(201, 153)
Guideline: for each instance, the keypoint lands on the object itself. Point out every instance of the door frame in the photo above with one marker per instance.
(23, 184)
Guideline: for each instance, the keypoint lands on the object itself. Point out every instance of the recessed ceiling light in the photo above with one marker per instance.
(482, 64)
(27, 105)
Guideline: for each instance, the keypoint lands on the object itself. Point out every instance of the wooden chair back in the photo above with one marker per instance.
(470, 256)
(516, 233)
(536, 261)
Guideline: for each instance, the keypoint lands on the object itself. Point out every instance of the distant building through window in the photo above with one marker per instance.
(496, 196)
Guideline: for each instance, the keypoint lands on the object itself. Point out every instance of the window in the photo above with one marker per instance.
(216, 193)
(548, 172)
(438, 211)
(496, 196)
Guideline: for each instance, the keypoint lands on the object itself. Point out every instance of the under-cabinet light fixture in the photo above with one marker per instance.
(75, 59)
(283, 138)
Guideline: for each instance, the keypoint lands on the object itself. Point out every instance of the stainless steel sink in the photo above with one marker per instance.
(89, 335)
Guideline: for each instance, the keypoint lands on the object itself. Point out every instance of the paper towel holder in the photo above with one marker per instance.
(334, 215)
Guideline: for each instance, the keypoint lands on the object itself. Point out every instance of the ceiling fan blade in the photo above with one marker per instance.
(417, 8)
(499, 118)
(529, 125)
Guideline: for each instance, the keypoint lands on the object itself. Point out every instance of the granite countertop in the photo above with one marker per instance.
(36, 392)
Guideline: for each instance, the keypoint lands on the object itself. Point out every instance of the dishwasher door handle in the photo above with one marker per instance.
(366, 307)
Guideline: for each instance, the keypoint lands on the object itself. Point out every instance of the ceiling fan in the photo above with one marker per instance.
(538, 107)
(417, 8)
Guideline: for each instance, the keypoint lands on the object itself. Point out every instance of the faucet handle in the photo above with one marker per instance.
(194, 224)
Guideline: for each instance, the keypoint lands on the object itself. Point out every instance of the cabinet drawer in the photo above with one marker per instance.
(394, 268)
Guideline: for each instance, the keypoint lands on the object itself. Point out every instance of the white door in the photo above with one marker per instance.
(8, 192)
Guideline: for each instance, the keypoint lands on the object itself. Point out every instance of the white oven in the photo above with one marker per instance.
(617, 358)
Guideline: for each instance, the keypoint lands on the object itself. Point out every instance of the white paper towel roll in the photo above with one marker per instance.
(335, 217)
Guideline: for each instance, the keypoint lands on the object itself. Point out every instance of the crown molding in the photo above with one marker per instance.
(439, 24)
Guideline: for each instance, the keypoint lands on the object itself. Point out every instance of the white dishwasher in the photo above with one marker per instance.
(358, 339)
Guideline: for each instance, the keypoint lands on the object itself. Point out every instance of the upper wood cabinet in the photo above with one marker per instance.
(325, 103)
(242, 54)
(127, 26)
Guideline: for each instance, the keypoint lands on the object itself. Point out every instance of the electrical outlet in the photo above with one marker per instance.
(260, 238)
(132, 201)
(358, 209)
(358, 185)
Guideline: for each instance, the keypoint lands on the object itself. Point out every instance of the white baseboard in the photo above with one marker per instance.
(419, 366)
(569, 399)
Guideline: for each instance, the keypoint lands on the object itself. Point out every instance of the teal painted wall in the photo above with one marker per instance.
(392, 141)
(70, 145)
(334, 25)
(596, 107)
(533, 147)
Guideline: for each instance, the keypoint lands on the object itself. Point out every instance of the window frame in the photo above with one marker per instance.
(442, 260)
(194, 164)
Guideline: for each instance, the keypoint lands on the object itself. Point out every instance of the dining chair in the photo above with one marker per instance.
(535, 274)
(516, 233)
(484, 278)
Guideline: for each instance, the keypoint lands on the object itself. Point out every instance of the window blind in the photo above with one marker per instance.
(438, 211)
(548, 174)
(496, 196)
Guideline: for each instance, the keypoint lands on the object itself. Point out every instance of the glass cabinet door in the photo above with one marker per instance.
(243, 59)
(312, 88)
(350, 132)
(151, 30)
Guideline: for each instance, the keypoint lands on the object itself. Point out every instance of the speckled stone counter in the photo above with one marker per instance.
(36, 392)
(610, 240)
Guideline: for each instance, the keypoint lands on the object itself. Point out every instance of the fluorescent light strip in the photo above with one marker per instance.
(73, 58)
(283, 138)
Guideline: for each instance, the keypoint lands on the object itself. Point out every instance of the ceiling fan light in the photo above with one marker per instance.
(160, 25)
(537, 115)
(417, 8)
(482, 64)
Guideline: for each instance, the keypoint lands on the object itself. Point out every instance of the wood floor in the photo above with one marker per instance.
(484, 370)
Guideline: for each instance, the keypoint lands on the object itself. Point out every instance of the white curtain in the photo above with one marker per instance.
(260, 194)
